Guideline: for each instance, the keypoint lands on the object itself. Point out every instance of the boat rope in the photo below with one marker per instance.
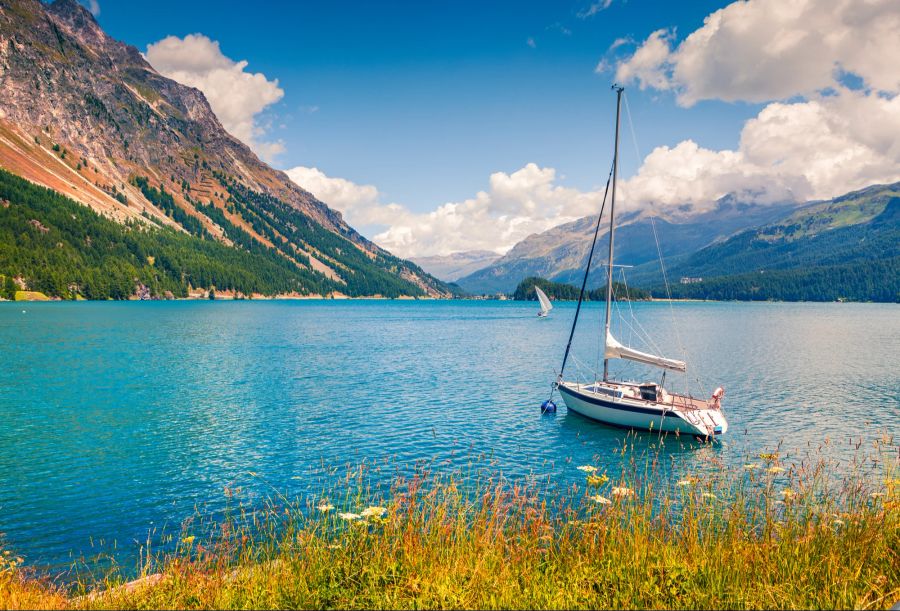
(631, 127)
(638, 331)
(587, 271)
(681, 346)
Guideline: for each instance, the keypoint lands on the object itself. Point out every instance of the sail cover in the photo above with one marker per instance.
(546, 306)
(615, 350)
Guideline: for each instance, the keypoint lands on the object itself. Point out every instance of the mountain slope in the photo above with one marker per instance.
(87, 116)
(559, 254)
(857, 226)
(848, 247)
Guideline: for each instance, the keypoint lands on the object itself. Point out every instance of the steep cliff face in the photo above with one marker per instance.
(86, 115)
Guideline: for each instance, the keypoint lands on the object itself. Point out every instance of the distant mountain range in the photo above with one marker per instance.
(88, 117)
(451, 268)
(559, 254)
(844, 248)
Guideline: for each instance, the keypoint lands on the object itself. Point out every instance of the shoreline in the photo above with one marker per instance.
(37, 297)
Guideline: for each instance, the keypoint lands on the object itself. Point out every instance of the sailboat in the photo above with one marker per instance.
(634, 405)
(546, 306)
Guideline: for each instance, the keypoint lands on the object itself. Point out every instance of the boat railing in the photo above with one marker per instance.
(690, 403)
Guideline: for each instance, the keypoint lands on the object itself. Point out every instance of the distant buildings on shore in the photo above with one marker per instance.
(690, 280)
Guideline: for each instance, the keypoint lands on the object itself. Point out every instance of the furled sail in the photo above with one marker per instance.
(615, 350)
(546, 306)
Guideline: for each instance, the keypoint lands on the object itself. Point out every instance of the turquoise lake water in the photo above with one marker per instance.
(120, 418)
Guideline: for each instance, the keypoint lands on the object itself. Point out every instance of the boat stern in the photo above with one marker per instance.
(710, 423)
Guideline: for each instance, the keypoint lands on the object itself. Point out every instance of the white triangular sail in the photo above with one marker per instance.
(615, 350)
(546, 306)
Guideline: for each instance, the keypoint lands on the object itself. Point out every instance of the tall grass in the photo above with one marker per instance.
(767, 535)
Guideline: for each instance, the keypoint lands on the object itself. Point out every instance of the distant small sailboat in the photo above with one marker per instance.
(633, 405)
(546, 306)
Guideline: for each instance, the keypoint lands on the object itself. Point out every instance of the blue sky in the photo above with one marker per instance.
(426, 99)
(438, 127)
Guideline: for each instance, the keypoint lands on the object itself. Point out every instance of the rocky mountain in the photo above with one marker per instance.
(452, 267)
(88, 117)
(559, 254)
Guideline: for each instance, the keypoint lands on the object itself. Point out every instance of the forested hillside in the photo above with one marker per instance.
(870, 281)
(559, 291)
(64, 249)
(847, 248)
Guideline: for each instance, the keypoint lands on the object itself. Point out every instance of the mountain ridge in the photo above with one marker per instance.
(559, 253)
(87, 116)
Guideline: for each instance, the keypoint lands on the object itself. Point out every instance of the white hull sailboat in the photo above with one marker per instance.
(645, 407)
(628, 404)
(546, 306)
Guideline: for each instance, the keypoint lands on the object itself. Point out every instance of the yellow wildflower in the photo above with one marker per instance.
(597, 480)
(188, 540)
(775, 469)
(709, 495)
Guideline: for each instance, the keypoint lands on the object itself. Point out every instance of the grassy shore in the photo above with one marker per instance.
(772, 534)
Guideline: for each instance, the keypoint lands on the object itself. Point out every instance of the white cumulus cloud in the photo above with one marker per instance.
(351, 199)
(815, 149)
(514, 206)
(816, 138)
(762, 50)
(235, 95)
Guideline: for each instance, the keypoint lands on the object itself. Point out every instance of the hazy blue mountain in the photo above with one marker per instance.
(452, 267)
(560, 253)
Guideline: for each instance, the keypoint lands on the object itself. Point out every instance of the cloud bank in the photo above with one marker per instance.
(514, 206)
(817, 138)
(763, 50)
(235, 95)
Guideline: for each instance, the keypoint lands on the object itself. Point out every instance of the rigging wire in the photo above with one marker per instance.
(681, 346)
(587, 271)
(631, 127)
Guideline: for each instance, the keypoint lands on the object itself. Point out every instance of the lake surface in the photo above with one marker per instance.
(120, 418)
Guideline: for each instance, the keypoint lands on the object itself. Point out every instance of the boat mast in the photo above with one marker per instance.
(612, 218)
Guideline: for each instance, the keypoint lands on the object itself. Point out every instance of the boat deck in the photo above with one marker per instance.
(626, 390)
